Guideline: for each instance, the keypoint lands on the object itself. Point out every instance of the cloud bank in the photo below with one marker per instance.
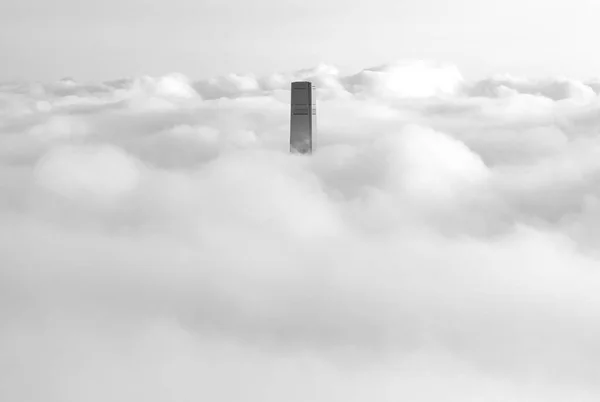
(158, 242)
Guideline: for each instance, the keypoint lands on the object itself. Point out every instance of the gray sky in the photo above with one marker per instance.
(50, 39)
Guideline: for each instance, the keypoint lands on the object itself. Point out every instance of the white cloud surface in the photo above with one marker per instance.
(158, 243)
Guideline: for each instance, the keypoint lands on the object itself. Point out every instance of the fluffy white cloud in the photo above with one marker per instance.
(159, 243)
(407, 80)
(554, 88)
(98, 173)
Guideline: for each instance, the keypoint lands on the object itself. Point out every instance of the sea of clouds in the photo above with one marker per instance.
(159, 243)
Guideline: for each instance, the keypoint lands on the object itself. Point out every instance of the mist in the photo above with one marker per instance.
(159, 243)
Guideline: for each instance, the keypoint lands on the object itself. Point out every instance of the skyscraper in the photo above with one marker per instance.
(303, 120)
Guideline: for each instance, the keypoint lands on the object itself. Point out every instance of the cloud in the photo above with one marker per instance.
(407, 80)
(554, 88)
(98, 173)
(159, 243)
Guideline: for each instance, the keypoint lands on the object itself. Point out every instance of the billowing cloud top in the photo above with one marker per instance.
(158, 242)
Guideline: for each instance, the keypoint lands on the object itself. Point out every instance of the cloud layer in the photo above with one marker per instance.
(158, 243)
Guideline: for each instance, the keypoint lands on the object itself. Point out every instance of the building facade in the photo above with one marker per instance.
(303, 120)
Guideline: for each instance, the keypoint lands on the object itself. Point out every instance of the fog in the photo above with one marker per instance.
(159, 243)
